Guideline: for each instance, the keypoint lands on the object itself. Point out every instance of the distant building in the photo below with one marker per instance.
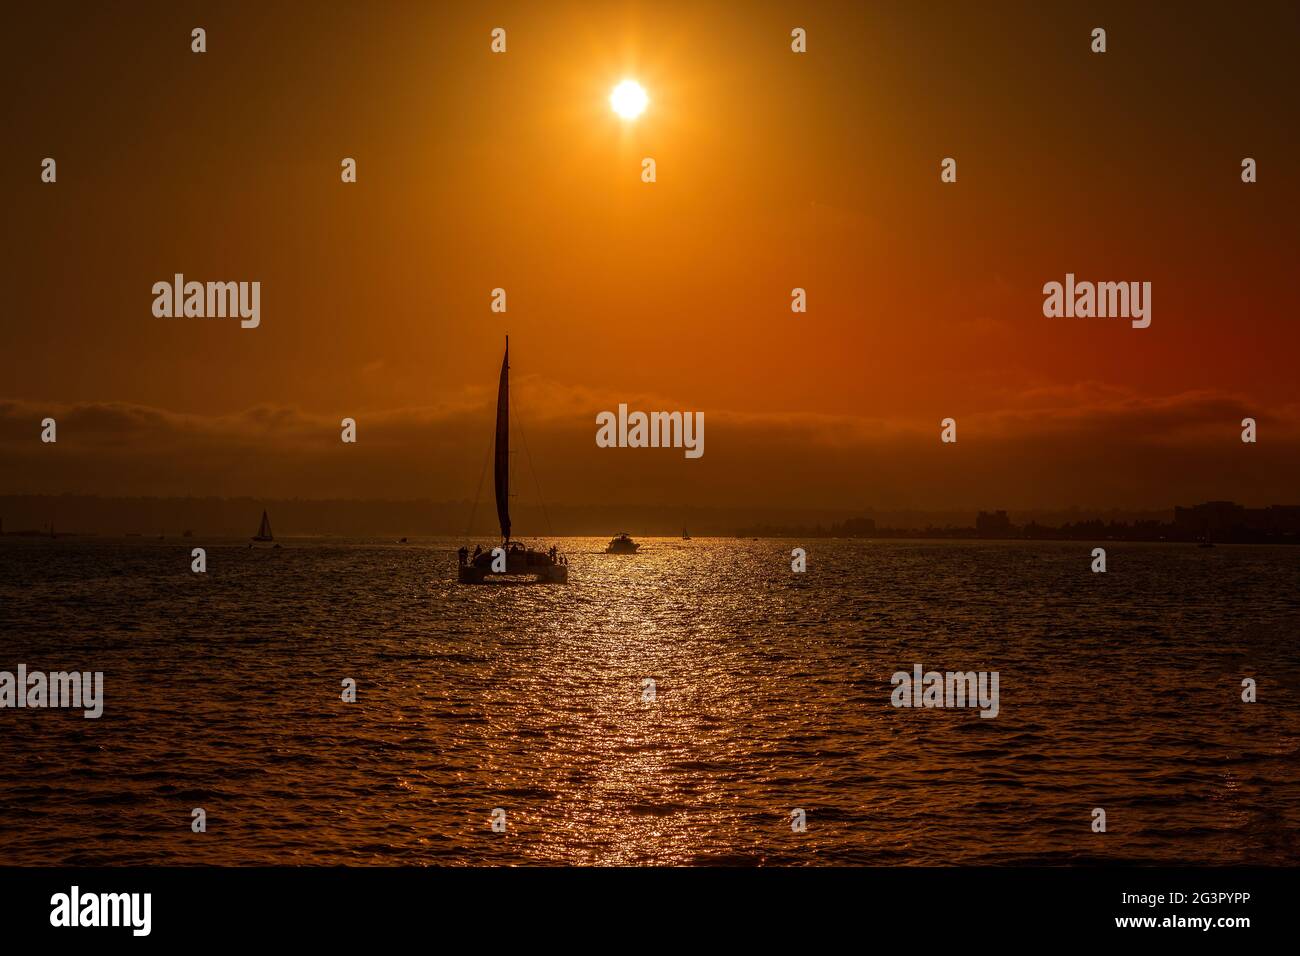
(1226, 519)
(1212, 519)
(1275, 519)
(992, 524)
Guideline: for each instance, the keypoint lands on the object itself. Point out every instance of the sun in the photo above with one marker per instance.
(628, 99)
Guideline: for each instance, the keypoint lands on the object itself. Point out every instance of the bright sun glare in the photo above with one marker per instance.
(628, 99)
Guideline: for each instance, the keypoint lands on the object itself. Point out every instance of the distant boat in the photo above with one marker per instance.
(513, 559)
(685, 536)
(264, 529)
(622, 544)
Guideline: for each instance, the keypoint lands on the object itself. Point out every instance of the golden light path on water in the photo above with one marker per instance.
(772, 693)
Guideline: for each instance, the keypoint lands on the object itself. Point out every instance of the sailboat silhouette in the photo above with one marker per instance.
(264, 529)
(511, 560)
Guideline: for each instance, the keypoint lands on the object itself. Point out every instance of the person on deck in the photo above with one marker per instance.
(463, 554)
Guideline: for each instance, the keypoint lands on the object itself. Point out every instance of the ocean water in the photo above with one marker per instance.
(1119, 691)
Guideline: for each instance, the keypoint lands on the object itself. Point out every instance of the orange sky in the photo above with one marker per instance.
(775, 170)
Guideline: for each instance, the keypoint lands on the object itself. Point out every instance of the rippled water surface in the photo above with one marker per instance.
(1118, 690)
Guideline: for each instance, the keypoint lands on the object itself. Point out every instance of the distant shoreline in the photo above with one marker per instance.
(959, 534)
(1218, 522)
(1285, 540)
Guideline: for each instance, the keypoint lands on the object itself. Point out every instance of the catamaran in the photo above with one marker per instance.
(511, 560)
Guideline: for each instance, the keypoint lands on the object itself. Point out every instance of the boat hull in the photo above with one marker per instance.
(529, 566)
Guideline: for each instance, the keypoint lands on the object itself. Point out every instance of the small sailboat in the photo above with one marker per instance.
(685, 535)
(511, 560)
(622, 544)
(264, 530)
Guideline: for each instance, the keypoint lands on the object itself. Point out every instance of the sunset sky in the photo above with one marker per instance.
(775, 171)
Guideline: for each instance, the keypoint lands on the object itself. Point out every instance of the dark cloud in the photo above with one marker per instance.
(1088, 444)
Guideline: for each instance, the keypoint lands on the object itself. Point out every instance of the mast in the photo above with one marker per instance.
(502, 472)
